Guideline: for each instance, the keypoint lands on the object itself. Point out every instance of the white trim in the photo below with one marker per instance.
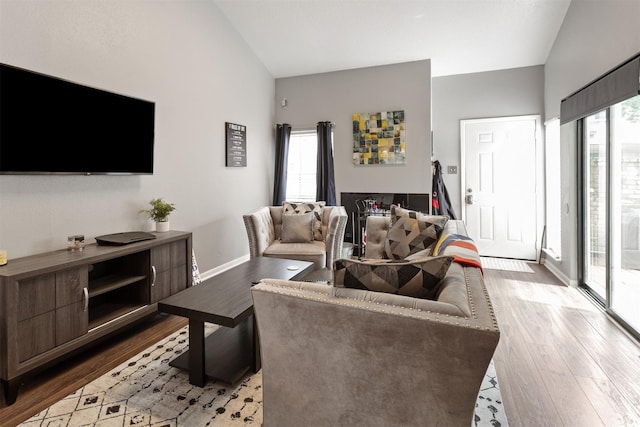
(224, 267)
(559, 274)
(552, 254)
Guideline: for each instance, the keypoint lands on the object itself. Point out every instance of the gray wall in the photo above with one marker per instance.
(594, 38)
(187, 58)
(337, 95)
(513, 92)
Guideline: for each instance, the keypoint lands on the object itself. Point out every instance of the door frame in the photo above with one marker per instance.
(539, 171)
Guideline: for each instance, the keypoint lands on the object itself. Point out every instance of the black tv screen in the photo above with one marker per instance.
(53, 126)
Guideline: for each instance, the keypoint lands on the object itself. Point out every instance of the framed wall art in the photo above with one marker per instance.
(379, 138)
(236, 144)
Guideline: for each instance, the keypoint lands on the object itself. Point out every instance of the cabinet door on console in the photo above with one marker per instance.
(170, 265)
(72, 317)
(161, 273)
(36, 316)
(180, 275)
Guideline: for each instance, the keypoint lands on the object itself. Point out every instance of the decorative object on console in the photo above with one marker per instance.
(159, 212)
(3, 257)
(379, 138)
(75, 242)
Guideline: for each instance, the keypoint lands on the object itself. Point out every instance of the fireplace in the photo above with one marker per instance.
(358, 209)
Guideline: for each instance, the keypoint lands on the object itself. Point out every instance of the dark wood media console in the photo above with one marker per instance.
(53, 304)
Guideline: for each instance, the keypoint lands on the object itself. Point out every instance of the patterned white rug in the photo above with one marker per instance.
(506, 264)
(146, 391)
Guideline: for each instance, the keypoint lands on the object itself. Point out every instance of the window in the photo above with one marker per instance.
(552, 178)
(611, 204)
(301, 166)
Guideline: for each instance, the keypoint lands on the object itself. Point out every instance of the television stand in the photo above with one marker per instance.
(56, 303)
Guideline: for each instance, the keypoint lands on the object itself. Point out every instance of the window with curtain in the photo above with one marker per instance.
(552, 178)
(302, 164)
(606, 114)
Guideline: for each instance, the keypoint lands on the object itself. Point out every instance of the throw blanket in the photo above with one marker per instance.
(460, 247)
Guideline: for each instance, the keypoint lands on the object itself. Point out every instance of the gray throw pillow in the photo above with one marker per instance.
(297, 228)
(316, 208)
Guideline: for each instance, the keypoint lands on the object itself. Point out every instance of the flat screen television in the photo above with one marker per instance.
(53, 126)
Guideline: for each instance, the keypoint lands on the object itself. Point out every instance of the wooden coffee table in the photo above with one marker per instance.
(225, 299)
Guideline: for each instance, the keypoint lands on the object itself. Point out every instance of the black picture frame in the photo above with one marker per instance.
(236, 145)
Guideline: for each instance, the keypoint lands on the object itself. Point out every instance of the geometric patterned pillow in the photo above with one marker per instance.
(408, 236)
(302, 208)
(397, 212)
(419, 279)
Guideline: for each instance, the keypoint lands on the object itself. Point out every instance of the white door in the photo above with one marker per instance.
(498, 177)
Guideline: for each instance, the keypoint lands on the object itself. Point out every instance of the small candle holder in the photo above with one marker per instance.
(75, 243)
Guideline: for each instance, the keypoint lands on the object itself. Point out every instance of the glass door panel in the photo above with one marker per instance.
(596, 204)
(625, 211)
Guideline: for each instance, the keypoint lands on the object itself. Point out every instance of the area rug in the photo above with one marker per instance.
(506, 264)
(146, 391)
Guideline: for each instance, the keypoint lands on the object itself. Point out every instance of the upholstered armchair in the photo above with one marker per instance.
(305, 231)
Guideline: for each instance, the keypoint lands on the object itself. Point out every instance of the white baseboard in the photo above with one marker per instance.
(224, 267)
(559, 274)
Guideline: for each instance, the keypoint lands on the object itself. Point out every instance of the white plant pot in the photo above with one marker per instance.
(162, 226)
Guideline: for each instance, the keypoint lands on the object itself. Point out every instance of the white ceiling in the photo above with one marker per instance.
(298, 37)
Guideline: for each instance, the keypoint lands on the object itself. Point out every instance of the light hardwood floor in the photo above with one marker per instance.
(560, 360)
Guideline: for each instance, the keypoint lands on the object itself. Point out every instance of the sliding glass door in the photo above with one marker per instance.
(611, 209)
(625, 211)
(595, 159)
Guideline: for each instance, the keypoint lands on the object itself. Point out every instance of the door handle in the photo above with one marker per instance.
(469, 197)
(153, 275)
(85, 294)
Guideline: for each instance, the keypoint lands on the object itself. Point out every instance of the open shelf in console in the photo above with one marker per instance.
(111, 282)
(117, 287)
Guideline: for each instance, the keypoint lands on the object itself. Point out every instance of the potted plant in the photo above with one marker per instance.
(159, 212)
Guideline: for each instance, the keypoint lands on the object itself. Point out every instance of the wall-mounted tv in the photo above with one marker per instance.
(53, 126)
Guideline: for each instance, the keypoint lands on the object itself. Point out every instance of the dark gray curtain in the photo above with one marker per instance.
(283, 132)
(326, 183)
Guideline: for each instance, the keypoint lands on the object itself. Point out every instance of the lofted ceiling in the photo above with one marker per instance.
(299, 37)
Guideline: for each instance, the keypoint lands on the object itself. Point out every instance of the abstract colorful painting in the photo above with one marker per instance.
(378, 138)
